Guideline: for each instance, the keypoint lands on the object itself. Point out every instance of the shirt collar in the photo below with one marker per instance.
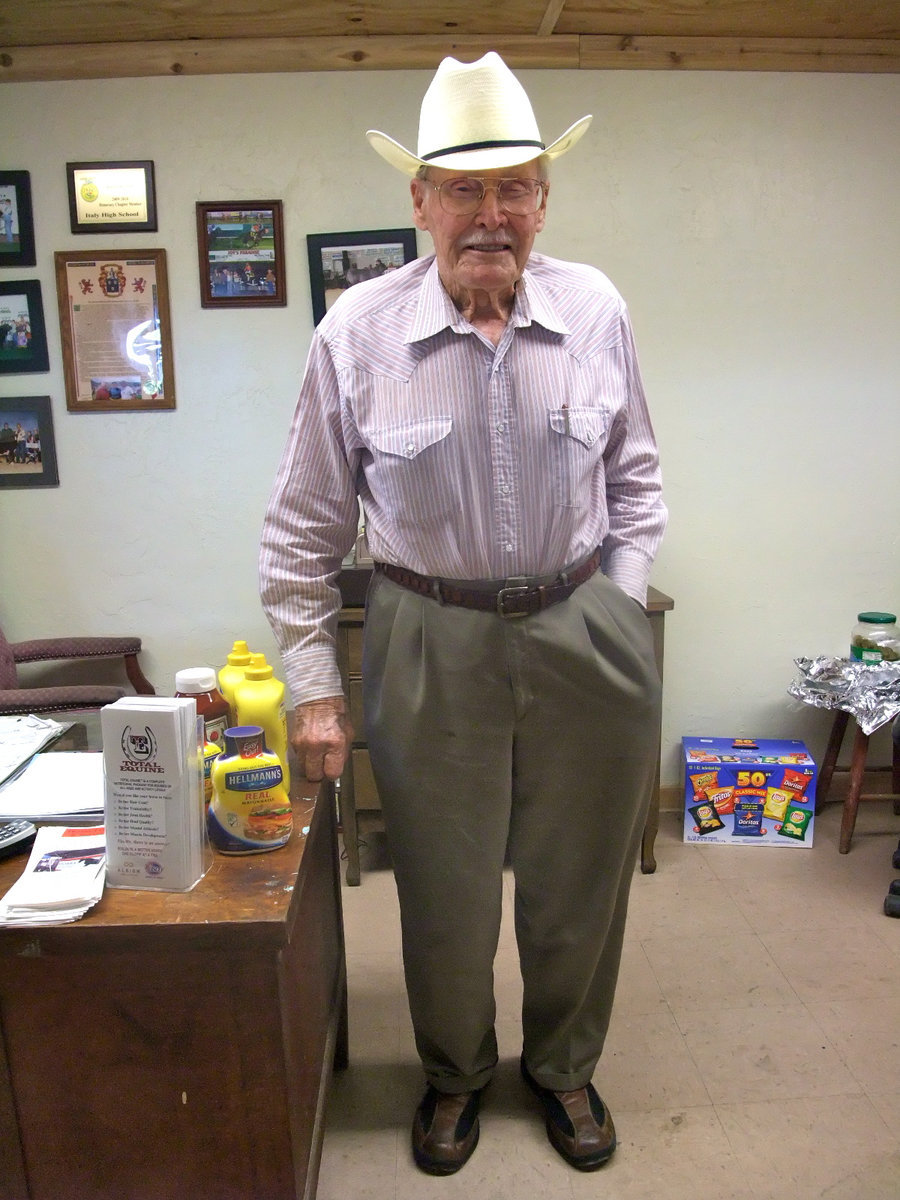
(436, 311)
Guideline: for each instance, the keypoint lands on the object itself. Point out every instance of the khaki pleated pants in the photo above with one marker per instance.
(534, 737)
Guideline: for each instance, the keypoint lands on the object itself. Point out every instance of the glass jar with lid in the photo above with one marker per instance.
(875, 638)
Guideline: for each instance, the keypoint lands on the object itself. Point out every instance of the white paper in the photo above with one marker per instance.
(63, 878)
(22, 736)
(61, 785)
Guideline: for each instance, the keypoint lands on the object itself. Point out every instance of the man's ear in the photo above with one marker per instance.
(417, 189)
(542, 211)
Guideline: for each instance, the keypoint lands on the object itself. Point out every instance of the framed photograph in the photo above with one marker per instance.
(23, 337)
(116, 331)
(111, 197)
(27, 448)
(241, 252)
(338, 260)
(16, 222)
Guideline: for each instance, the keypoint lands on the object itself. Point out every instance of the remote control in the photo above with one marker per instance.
(15, 836)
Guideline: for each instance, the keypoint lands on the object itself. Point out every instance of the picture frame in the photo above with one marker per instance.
(23, 336)
(240, 249)
(30, 461)
(116, 330)
(112, 197)
(16, 220)
(335, 257)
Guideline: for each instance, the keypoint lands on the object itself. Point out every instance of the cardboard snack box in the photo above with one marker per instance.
(748, 792)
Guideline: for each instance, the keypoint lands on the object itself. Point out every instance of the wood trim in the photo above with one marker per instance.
(122, 60)
(740, 54)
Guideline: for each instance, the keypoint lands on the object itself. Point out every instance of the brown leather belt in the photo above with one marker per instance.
(519, 597)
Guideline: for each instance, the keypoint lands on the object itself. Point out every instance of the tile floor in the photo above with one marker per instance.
(754, 1051)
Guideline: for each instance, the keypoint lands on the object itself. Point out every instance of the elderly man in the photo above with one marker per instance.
(486, 405)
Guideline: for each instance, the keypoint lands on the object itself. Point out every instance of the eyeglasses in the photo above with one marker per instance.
(461, 197)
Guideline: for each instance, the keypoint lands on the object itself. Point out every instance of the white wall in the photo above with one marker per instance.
(750, 220)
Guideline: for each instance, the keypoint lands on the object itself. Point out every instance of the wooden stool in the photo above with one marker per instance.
(857, 771)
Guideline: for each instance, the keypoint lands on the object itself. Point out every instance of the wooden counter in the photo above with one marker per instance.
(178, 1046)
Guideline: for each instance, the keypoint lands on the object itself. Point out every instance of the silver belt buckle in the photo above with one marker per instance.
(511, 590)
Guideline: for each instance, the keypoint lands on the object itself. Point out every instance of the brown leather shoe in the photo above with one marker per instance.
(578, 1124)
(445, 1130)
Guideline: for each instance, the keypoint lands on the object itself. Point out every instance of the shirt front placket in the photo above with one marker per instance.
(505, 468)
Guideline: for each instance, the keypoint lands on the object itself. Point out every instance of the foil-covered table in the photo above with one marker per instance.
(869, 693)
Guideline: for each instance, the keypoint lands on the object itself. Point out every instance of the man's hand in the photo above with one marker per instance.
(321, 737)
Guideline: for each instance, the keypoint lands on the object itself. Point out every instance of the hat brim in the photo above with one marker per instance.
(484, 159)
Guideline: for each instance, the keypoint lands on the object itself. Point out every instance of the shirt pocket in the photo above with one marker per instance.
(413, 469)
(577, 439)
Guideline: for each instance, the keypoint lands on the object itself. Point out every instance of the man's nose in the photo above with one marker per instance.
(490, 209)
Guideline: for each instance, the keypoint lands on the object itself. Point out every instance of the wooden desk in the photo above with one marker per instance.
(360, 807)
(172, 1046)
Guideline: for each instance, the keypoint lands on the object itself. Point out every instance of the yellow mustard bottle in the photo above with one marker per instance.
(250, 811)
(259, 700)
(232, 673)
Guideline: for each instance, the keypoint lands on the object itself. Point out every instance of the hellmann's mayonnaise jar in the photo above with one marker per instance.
(250, 811)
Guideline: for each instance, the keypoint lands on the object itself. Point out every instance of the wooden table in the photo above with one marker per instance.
(360, 807)
(171, 1046)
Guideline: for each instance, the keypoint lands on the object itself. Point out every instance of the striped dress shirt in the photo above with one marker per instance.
(472, 461)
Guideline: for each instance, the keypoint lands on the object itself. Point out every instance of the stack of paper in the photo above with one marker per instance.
(63, 786)
(23, 735)
(155, 813)
(62, 880)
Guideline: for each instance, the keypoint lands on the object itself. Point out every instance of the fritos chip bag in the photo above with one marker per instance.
(722, 799)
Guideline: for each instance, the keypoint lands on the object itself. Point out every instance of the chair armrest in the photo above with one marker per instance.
(47, 649)
(14, 701)
(50, 649)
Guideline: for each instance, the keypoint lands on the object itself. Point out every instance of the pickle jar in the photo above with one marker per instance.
(875, 638)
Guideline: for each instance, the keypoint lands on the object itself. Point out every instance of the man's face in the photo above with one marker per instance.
(484, 251)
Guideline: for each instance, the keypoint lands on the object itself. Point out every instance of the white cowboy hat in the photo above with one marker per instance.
(475, 116)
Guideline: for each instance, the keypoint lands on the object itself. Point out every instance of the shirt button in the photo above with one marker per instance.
(501, 428)
(410, 449)
(505, 489)
(509, 547)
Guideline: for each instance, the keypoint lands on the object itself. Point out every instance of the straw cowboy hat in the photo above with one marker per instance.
(475, 116)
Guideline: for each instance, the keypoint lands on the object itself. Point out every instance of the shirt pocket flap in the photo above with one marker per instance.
(586, 425)
(410, 439)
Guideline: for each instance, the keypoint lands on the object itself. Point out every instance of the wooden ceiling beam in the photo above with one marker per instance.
(550, 17)
(124, 60)
(859, 55)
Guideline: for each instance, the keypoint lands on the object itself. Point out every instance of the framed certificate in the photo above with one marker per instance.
(111, 197)
(116, 332)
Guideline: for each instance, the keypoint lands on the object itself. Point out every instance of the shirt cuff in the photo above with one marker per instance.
(312, 674)
(631, 572)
